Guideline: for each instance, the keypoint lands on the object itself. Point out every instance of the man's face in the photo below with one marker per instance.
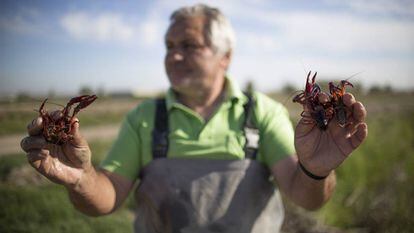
(190, 63)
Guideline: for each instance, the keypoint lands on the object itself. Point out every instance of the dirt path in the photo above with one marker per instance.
(11, 144)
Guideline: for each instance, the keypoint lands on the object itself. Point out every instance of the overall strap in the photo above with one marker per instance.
(251, 132)
(161, 130)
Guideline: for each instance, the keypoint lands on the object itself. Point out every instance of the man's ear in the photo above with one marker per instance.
(226, 59)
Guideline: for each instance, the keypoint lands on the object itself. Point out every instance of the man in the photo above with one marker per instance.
(198, 179)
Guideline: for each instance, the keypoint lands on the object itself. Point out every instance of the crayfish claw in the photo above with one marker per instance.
(346, 83)
(313, 78)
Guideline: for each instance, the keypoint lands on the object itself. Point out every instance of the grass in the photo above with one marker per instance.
(15, 122)
(8, 163)
(46, 208)
(375, 188)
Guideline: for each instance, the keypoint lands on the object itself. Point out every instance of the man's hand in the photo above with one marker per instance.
(63, 164)
(322, 151)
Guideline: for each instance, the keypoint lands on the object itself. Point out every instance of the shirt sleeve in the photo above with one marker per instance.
(276, 132)
(123, 157)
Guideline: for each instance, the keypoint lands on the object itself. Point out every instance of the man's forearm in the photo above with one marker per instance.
(310, 193)
(94, 194)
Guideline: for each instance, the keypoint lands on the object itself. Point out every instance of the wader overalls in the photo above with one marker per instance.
(202, 195)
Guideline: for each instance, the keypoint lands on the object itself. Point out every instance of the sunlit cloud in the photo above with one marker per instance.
(102, 27)
(345, 33)
(114, 28)
(151, 32)
(331, 32)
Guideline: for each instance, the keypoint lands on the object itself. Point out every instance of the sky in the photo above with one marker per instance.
(60, 46)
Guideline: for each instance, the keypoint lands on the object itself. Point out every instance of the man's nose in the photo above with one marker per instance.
(176, 55)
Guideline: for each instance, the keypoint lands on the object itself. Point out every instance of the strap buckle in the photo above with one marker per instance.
(252, 137)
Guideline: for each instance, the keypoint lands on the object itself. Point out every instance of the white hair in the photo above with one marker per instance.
(219, 32)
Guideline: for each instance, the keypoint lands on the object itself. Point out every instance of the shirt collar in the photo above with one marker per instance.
(233, 93)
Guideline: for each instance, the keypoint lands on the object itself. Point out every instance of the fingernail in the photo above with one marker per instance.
(23, 142)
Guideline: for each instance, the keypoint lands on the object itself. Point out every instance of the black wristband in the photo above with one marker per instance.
(308, 173)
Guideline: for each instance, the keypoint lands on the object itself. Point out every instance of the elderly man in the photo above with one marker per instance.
(205, 154)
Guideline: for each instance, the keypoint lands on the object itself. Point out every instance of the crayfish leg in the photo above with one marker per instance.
(300, 98)
(307, 118)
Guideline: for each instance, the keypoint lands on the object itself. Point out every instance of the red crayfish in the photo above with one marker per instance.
(322, 112)
(336, 99)
(57, 129)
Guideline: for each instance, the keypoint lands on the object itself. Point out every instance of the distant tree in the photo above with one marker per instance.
(22, 97)
(358, 88)
(85, 90)
(288, 88)
(377, 89)
(101, 93)
(388, 89)
(51, 94)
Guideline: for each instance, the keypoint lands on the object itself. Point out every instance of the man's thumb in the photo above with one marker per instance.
(78, 139)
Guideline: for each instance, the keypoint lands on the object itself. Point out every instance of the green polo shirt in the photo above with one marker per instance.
(221, 137)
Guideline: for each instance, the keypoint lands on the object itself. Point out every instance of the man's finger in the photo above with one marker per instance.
(359, 112)
(348, 99)
(78, 140)
(323, 98)
(359, 136)
(35, 127)
(32, 143)
(35, 155)
(39, 160)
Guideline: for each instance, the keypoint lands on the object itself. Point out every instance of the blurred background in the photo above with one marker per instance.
(115, 49)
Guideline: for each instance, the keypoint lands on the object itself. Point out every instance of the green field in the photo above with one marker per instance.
(15, 116)
(374, 190)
